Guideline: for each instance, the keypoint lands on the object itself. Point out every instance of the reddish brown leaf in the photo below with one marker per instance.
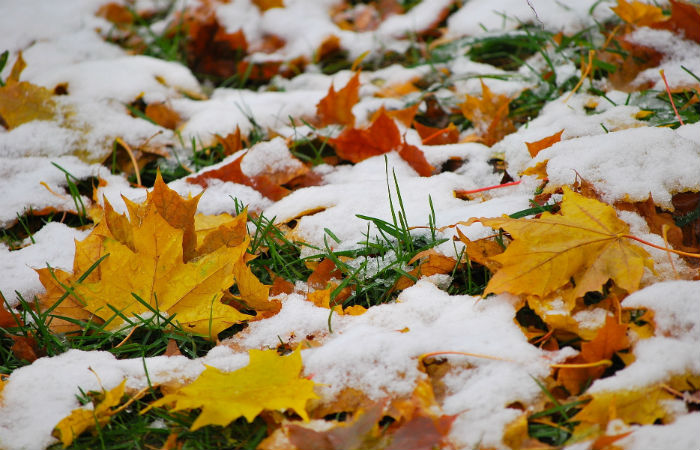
(535, 147)
(7, 319)
(437, 136)
(264, 5)
(323, 273)
(356, 145)
(405, 115)
(172, 349)
(281, 286)
(422, 433)
(25, 347)
(431, 263)
(336, 107)
(489, 115)
(232, 172)
(416, 159)
(684, 19)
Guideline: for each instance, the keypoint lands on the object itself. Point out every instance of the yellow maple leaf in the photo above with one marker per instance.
(639, 13)
(155, 272)
(82, 419)
(22, 102)
(133, 266)
(639, 406)
(586, 243)
(269, 382)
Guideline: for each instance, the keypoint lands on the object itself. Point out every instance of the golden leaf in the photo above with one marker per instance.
(22, 102)
(489, 115)
(82, 419)
(585, 243)
(639, 406)
(269, 382)
(638, 13)
(155, 273)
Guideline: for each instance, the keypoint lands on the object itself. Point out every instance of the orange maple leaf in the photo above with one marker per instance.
(232, 172)
(585, 243)
(381, 137)
(437, 136)
(638, 13)
(611, 338)
(489, 115)
(535, 147)
(336, 107)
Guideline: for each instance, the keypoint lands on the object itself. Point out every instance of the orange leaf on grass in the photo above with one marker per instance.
(232, 142)
(336, 107)
(489, 115)
(535, 147)
(404, 115)
(481, 251)
(430, 263)
(610, 338)
(7, 319)
(638, 13)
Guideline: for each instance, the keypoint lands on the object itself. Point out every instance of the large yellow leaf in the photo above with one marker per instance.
(155, 272)
(269, 382)
(639, 406)
(585, 243)
(153, 255)
(82, 419)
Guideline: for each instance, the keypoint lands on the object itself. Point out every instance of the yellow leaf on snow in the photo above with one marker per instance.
(269, 382)
(586, 242)
(82, 419)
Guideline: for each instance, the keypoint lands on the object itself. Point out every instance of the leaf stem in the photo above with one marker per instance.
(670, 97)
(487, 188)
(677, 252)
(602, 362)
(476, 355)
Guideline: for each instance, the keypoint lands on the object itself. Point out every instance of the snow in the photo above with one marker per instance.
(378, 352)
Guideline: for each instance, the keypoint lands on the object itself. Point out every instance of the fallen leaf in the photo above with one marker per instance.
(25, 348)
(422, 432)
(642, 406)
(356, 145)
(481, 251)
(404, 115)
(22, 102)
(638, 13)
(264, 5)
(416, 159)
(336, 107)
(353, 434)
(232, 142)
(488, 115)
(430, 263)
(116, 13)
(139, 264)
(611, 338)
(684, 20)
(232, 172)
(7, 319)
(83, 419)
(269, 382)
(535, 147)
(163, 115)
(437, 136)
(585, 243)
